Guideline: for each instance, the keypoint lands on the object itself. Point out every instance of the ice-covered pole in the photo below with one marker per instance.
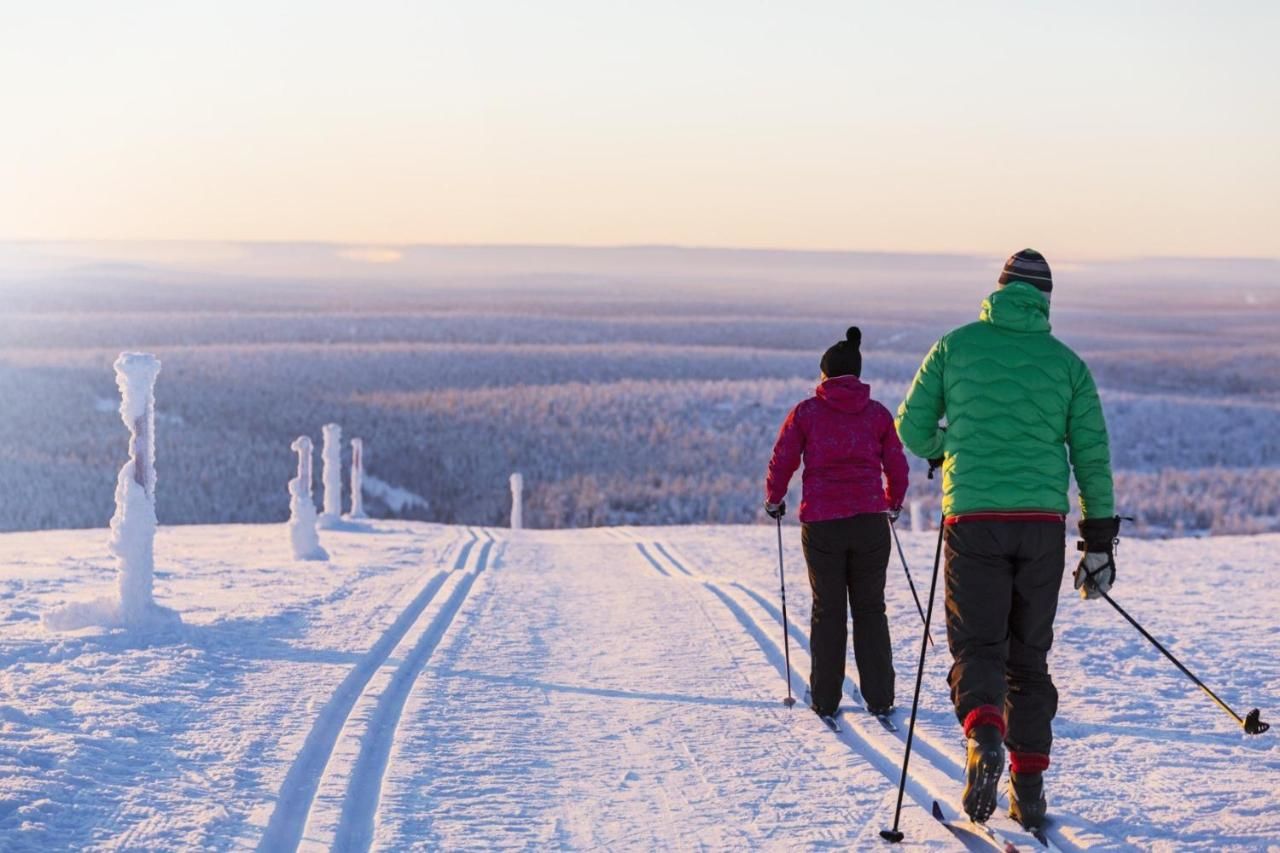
(517, 501)
(331, 456)
(357, 478)
(133, 527)
(918, 523)
(302, 508)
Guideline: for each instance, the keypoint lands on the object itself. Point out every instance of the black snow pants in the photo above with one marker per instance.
(847, 558)
(1003, 579)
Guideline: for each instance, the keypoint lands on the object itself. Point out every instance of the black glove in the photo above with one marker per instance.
(1096, 572)
(1099, 534)
(777, 510)
(936, 462)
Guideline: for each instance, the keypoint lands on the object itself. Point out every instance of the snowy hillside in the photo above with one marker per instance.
(628, 386)
(618, 688)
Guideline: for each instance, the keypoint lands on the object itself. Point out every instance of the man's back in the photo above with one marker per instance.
(1017, 402)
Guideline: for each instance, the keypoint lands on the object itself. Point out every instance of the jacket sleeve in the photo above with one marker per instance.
(1089, 448)
(924, 406)
(894, 461)
(787, 451)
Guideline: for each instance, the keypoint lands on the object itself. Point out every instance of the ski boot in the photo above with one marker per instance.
(828, 719)
(813, 706)
(1027, 805)
(982, 773)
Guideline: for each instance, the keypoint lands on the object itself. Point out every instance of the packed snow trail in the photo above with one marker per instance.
(586, 702)
(882, 748)
(1099, 790)
(445, 687)
(355, 832)
(341, 762)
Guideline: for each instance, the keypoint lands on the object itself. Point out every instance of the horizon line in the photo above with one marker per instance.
(606, 247)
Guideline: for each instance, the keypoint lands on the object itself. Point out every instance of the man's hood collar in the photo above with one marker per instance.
(1018, 307)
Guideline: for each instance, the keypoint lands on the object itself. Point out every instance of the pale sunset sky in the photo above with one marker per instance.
(1090, 129)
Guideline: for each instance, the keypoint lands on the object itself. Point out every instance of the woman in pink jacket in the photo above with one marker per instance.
(847, 442)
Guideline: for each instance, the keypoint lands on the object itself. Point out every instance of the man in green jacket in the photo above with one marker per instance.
(1022, 413)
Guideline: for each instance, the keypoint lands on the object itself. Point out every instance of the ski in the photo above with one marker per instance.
(1044, 839)
(1042, 836)
(886, 720)
(960, 830)
(829, 722)
(996, 838)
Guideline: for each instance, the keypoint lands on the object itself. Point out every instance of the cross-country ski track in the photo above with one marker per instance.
(438, 687)
(334, 782)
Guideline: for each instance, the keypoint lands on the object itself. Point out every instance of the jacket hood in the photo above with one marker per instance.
(845, 394)
(1018, 307)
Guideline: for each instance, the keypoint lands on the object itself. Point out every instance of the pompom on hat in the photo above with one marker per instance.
(844, 358)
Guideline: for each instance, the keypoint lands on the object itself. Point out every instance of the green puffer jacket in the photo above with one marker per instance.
(1020, 407)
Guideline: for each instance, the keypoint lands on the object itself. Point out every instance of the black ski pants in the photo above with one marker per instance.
(1003, 579)
(847, 558)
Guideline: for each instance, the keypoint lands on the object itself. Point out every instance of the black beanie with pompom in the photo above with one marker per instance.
(845, 358)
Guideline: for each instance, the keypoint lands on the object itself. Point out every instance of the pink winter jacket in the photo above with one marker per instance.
(846, 439)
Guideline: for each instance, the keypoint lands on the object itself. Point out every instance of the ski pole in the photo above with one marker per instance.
(1251, 722)
(895, 835)
(786, 640)
(903, 558)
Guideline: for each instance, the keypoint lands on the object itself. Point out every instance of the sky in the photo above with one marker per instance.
(1090, 130)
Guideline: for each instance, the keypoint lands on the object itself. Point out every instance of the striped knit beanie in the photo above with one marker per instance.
(1028, 266)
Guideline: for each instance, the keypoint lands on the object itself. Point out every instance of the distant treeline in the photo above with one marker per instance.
(670, 431)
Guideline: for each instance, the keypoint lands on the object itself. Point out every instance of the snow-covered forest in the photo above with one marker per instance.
(621, 400)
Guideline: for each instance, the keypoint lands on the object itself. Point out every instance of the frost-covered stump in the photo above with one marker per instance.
(517, 501)
(302, 508)
(357, 479)
(331, 456)
(133, 527)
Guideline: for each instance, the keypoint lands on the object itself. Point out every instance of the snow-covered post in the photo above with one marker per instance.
(302, 508)
(357, 479)
(917, 517)
(133, 527)
(517, 501)
(331, 455)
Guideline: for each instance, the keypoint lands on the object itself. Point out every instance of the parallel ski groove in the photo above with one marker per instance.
(466, 550)
(925, 752)
(296, 802)
(969, 828)
(874, 754)
(359, 813)
(672, 560)
(463, 535)
(925, 744)
(656, 565)
(284, 829)
(483, 559)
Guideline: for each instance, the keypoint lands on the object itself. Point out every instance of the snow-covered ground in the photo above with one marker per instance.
(445, 687)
